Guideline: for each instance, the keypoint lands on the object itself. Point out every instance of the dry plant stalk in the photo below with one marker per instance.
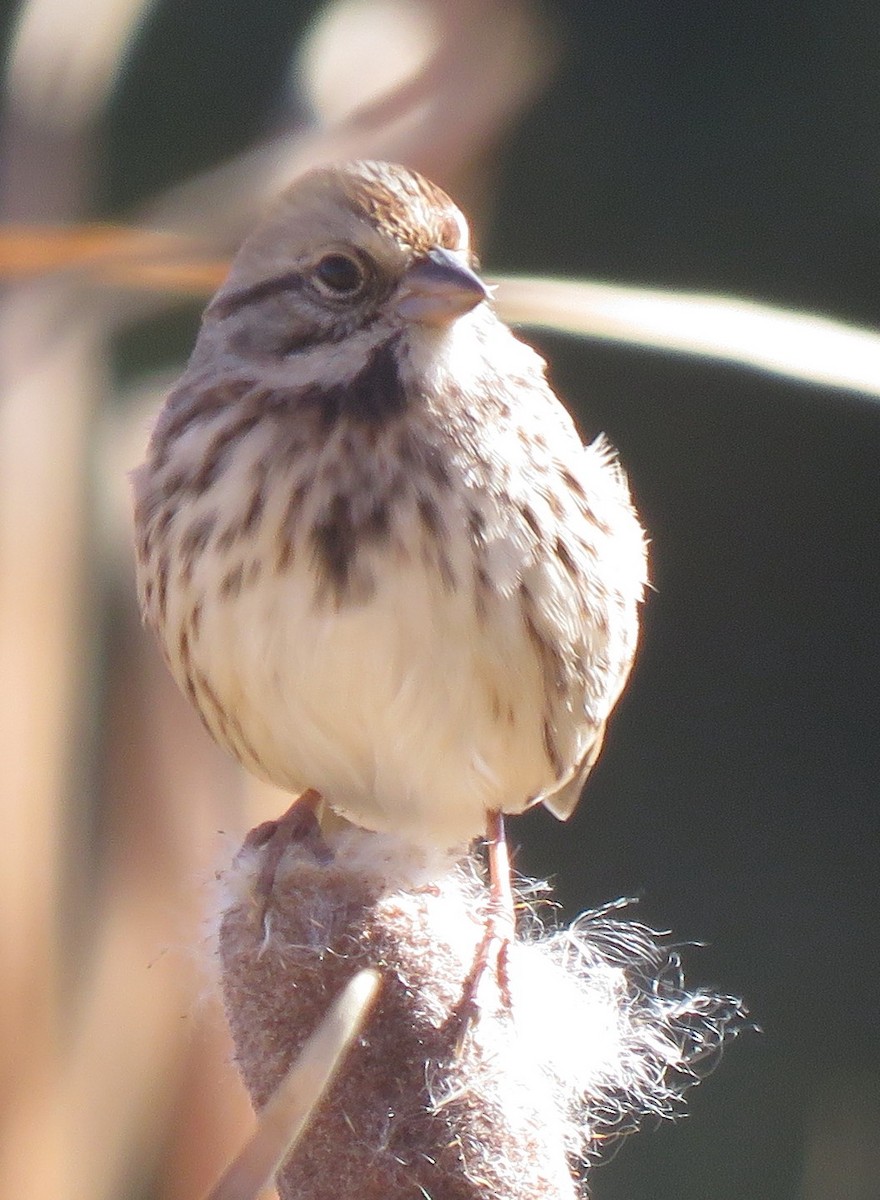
(286, 1114)
(513, 1106)
(809, 347)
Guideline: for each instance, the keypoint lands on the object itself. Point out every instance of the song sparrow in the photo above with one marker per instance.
(378, 558)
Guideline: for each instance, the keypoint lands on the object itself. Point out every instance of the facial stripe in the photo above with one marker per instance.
(226, 305)
(373, 396)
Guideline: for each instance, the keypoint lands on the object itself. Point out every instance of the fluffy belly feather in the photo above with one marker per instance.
(401, 711)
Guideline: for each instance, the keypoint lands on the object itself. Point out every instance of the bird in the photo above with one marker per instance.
(378, 556)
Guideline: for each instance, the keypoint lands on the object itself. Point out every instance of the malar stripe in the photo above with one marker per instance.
(374, 395)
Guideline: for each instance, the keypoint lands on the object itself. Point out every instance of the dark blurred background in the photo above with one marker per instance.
(733, 148)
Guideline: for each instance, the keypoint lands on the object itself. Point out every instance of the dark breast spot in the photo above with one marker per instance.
(162, 571)
(531, 519)
(573, 484)
(195, 620)
(429, 514)
(476, 526)
(194, 540)
(334, 544)
(231, 584)
(418, 456)
(341, 532)
(563, 553)
(220, 447)
(246, 522)
(188, 408)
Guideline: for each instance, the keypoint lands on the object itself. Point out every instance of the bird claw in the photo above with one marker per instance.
(299, 825)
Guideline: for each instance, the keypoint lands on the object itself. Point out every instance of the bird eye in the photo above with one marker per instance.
(340, 276)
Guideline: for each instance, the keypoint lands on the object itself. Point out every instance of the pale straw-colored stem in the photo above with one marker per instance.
(284, 1118)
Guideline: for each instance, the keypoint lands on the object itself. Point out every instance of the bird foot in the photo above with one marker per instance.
(493, 951)
(299, 825)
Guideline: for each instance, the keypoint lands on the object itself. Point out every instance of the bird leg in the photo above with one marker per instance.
(500, 927)
(299, 824)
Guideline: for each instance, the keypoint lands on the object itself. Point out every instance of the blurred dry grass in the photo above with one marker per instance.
(116, 1077)
(115, 1072)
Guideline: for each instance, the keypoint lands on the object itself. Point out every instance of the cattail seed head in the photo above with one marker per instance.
(515, 1104)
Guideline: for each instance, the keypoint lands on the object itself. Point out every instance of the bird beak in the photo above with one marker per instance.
(438, 288)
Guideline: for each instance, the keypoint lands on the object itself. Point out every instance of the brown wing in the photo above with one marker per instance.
(563, 802)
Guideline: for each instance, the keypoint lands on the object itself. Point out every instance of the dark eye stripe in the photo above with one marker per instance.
(233, 302)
